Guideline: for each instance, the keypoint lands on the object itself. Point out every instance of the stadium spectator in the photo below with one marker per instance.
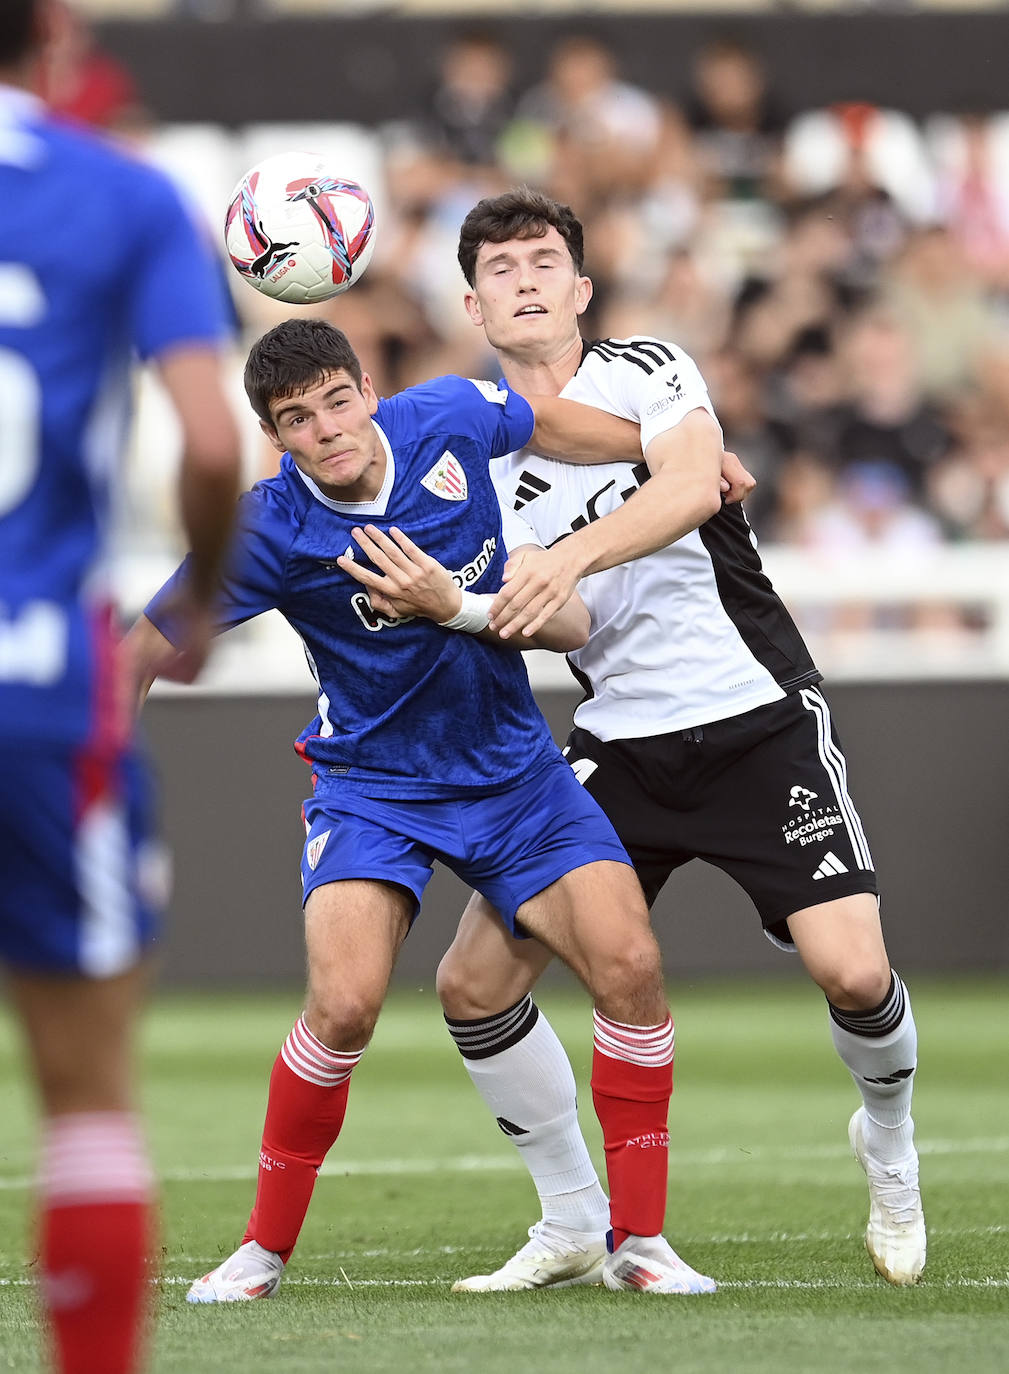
(77, 905)
(80, 81)
(886, 417)
(872, 508)
(605, 130)
(973, 192)
(954, 326)
(968, 489)
(738, 398)
(735, 121)
(473, 102)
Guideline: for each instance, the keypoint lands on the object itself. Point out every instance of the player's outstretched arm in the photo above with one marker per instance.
(410, 582)
(578, 433)
(150, 655)
(683, 492)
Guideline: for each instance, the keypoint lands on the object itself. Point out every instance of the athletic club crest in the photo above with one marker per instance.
(447, 479)
(314, 848)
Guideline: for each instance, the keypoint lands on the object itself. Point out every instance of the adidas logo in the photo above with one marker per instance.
(510, 1128)
(529, 487)
(830, 867)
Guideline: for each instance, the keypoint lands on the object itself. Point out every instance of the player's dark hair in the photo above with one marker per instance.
(518, 214)
(18, 20)
(292, 358)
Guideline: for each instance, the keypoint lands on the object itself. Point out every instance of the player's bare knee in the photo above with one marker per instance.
(628, 986)
(342, 1023)
(857, 987)
(469, 991)
(459, 990)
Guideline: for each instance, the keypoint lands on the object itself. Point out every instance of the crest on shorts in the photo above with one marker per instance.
(447, 479)
(314, 848)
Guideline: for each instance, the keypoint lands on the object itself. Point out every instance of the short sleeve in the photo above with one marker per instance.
(502, 419)
(177, 294)
(643, 379)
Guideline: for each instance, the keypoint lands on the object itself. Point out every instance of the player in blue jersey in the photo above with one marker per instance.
(427, 745)
(97, 259)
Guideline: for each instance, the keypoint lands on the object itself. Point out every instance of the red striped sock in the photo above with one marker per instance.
(632, 1080)
(304, 1115)
(96, 1240)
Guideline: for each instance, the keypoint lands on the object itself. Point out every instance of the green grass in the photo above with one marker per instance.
(421, 1188)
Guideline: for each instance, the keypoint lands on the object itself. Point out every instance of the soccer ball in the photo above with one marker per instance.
(297, 231)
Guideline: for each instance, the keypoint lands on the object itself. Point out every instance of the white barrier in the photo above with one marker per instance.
(867, 616)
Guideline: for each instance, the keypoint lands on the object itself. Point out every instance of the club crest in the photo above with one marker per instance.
(314, 848)
(447, 479)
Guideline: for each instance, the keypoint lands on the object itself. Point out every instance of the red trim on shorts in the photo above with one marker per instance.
(96, 767)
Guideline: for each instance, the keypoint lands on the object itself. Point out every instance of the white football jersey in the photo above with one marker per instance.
(690, 634)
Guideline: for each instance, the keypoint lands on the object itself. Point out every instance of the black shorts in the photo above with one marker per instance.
(762, 796)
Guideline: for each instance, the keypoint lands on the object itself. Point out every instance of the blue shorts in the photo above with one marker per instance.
(509, 846)
(79, 877)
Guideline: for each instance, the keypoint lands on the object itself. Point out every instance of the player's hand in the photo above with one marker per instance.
(195, 647)
(409, 581)
(737, 483)
(145, 653)
(537, 583)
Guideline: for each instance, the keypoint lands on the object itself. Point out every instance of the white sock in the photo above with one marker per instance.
(521, 1071)
(880, 1049)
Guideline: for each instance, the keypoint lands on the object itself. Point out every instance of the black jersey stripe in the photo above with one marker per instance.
(643, 343)
(651, 348)
(751, 603)
(531, 479)
(611, 355)
(650, 351)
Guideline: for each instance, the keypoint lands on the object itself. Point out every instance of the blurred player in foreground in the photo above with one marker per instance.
(703, 734)
(428, 745)
(97, 257)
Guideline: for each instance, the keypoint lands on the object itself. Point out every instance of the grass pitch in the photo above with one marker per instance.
(421, 1188)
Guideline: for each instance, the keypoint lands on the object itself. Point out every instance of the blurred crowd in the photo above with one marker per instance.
(841, 276)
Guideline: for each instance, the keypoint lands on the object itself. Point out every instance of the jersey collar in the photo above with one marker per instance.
(376, 506)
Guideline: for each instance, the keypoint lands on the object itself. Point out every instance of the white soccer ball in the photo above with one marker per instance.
(297, 231)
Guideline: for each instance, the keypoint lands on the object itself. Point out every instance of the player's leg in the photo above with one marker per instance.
(594, 918)
(520, 1069)
(94, 1180)
(74, 921)
(484, 982)
(776, 814)
(873, 1029)
(353, 931)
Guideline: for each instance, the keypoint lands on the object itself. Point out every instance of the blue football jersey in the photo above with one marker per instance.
(406, 709)
(98, 260)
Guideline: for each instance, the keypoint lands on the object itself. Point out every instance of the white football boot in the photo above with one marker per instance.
(649, 1264)
(553, 1257)
(895, 1235)
(251, 1272)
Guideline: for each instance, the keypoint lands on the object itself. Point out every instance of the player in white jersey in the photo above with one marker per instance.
(703, 734)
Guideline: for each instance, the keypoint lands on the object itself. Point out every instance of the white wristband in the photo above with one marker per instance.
(472, 616)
